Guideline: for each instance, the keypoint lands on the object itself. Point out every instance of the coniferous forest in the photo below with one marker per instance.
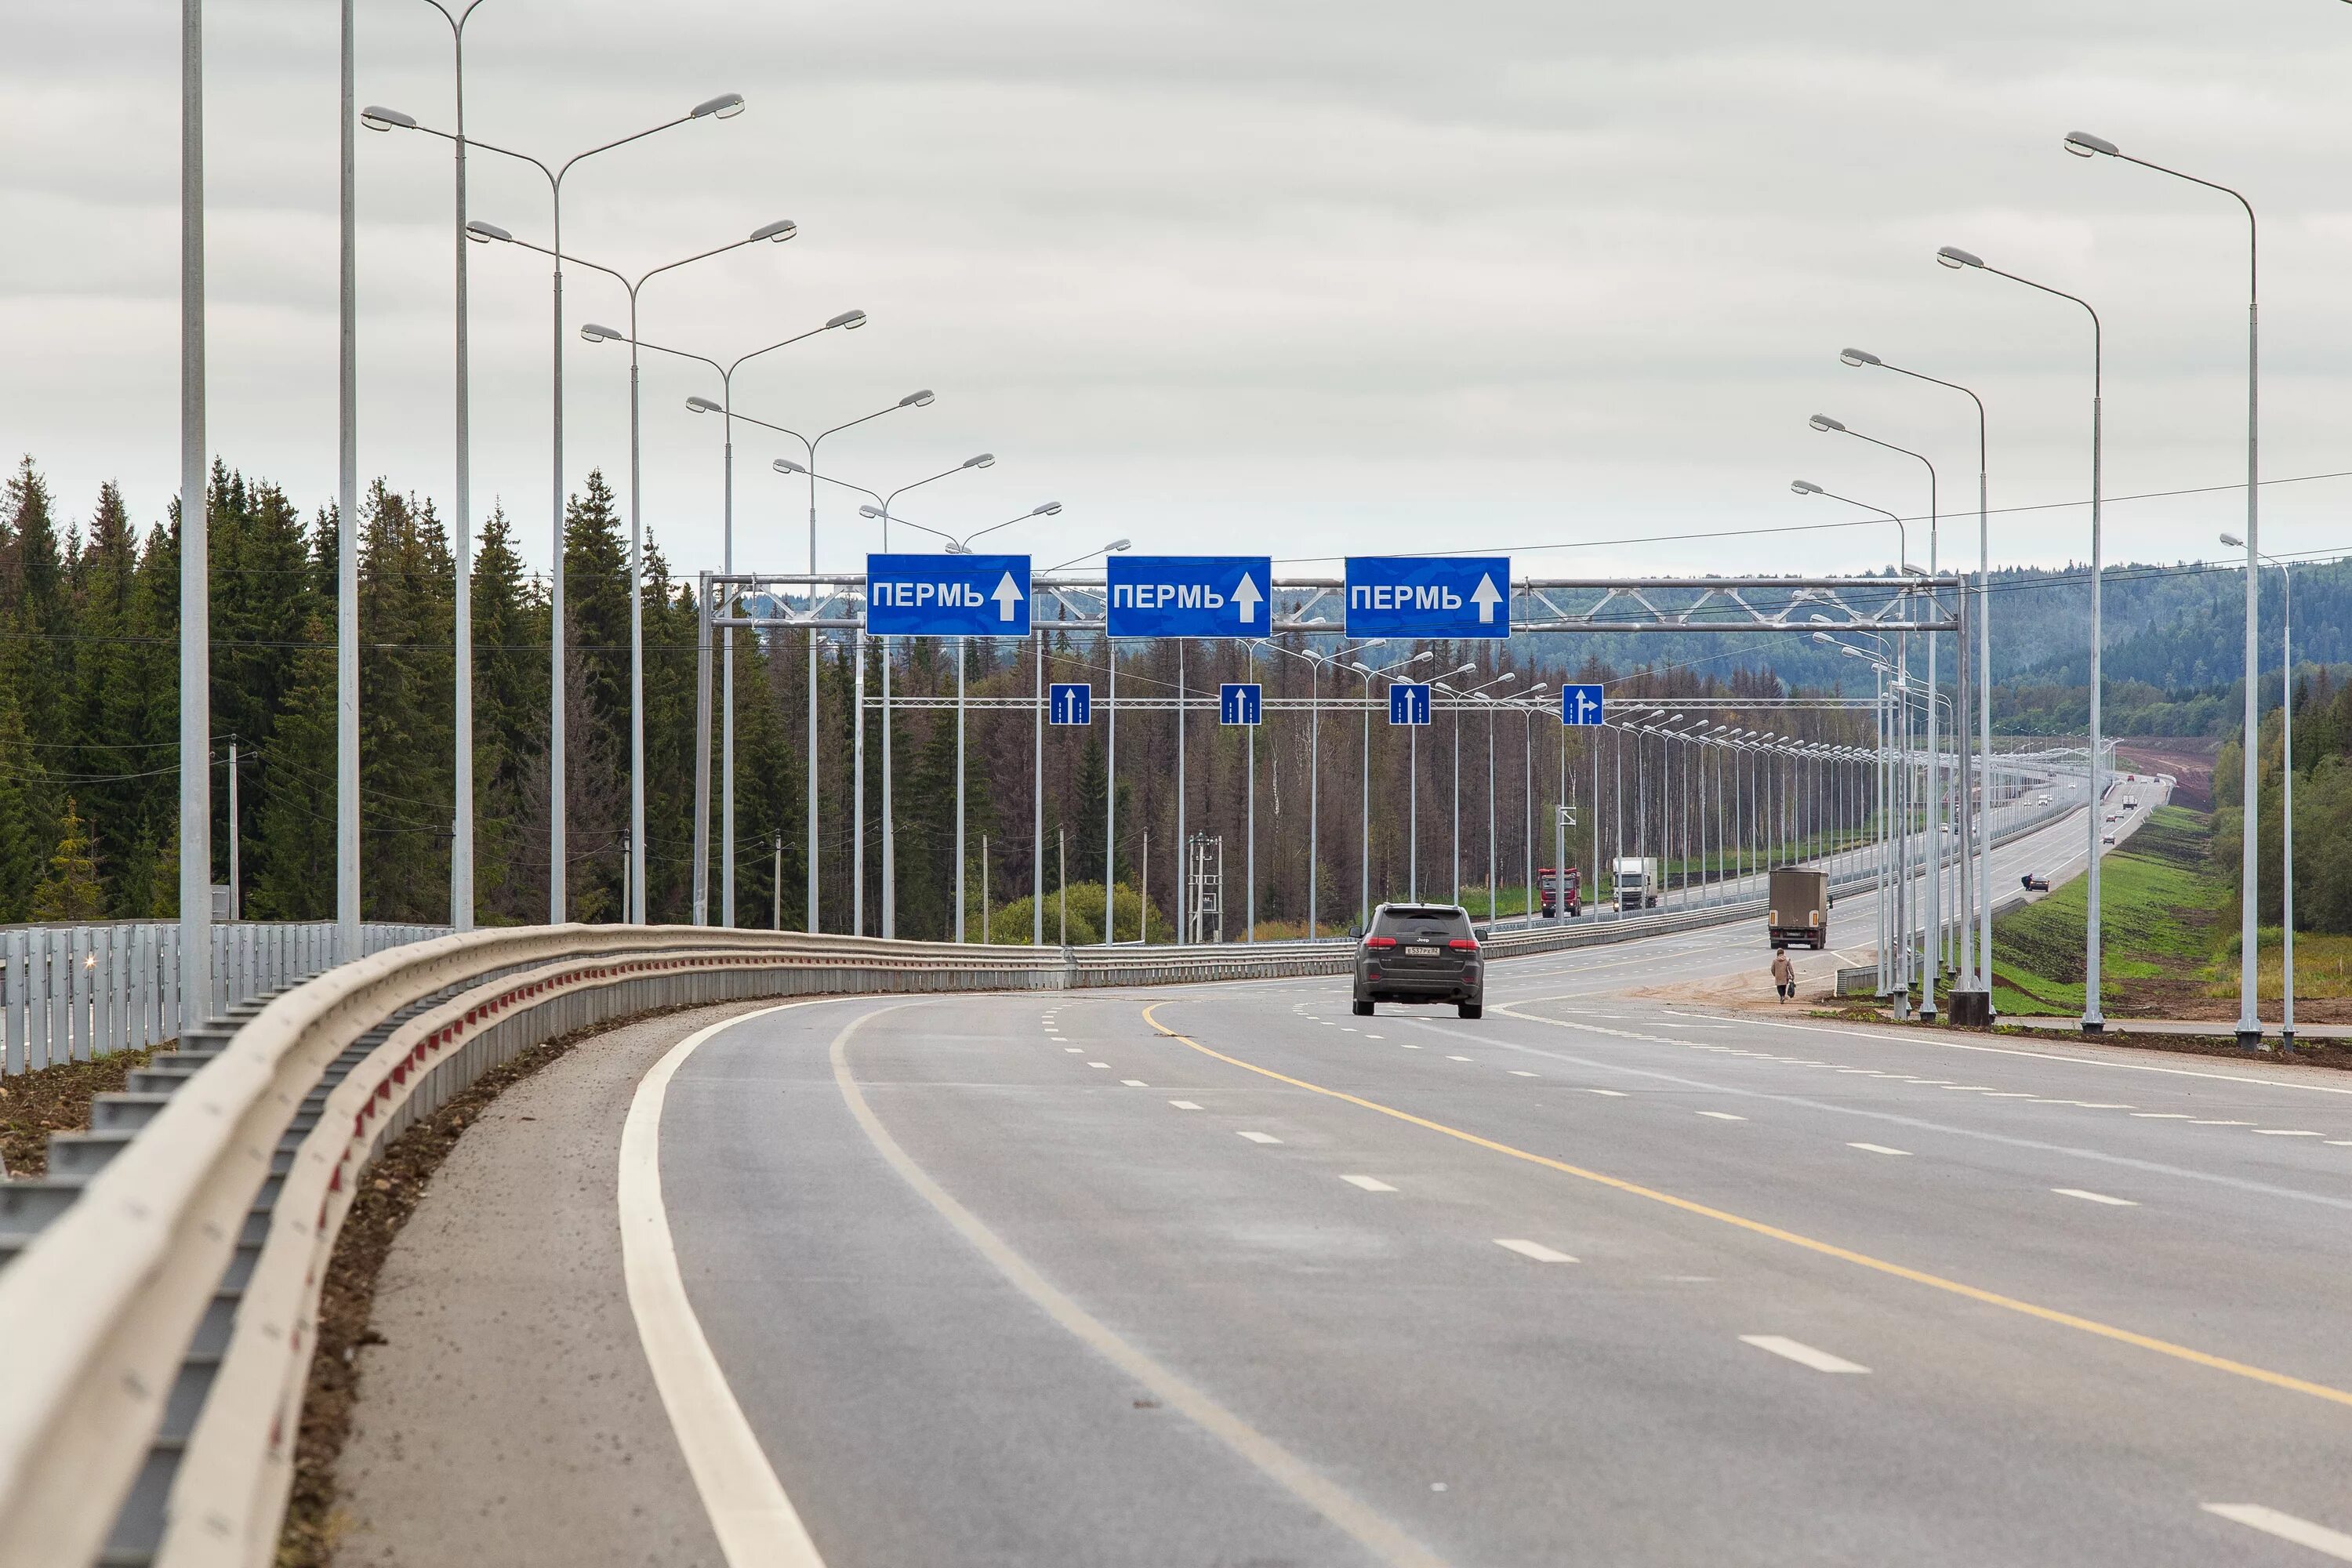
(88, 704)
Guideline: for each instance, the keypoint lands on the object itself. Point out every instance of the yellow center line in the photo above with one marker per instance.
(1793, 1238)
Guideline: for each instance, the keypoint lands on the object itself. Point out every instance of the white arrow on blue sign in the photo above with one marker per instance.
(947, 595)
(1072, 702)
(1581, 705)
(1189, 595)
(1408, 703)
(1239, 702)
(1429, 596)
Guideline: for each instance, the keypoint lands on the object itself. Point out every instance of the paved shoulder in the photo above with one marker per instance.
(509, 1417)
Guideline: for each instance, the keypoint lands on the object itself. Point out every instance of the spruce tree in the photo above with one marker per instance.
(70, 894)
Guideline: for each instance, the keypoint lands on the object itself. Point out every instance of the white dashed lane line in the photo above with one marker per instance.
(1521, 1072)
(1723, 1116)
(1134, 1083)
(1803, 1354)
(1184, 1105)
(2286, 1527)
(2283, 1132)
(2091, 1197)
(1261, 1137)
(1105, 1065)
(1879, 1149)
(1535, 1249)
(1612, 1093)
(1369, 1184)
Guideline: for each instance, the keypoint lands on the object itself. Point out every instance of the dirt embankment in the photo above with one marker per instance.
(2187, 757)
(54, 1100)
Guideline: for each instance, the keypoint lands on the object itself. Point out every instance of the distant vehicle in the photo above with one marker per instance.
(2109, 838)
(1635, 878)
(1797, 911)
(2042, 800)
(1421, 952)
(2035, 884)
(1561, 887)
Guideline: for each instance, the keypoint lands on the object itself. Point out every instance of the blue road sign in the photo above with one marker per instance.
(1581, 705)
(1408, 703)
(1239, 702)
(1073, 702)
(1429, 597)
(1189, 595)
(947, 595)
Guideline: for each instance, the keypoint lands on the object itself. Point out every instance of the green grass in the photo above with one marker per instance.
(2158, 912)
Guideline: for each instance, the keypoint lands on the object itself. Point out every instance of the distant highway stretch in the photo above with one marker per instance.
(1222, 1274)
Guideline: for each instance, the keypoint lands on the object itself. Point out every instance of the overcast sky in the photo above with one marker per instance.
(1287, 275)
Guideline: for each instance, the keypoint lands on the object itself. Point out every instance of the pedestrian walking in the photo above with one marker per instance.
(1784, 977)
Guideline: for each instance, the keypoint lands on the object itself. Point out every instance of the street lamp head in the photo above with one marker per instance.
(1859, 357)
(1824, 422)
(984, 460)
(726, 105)
(2083, 144)
(782, 229)
(1046, 509)
(1825, 637)
(376, 117)
(786, 466)
(2233, 541)
(852, 320)
(596, 334)
(482, 233)
(1805, 487)
(1423, 654)
(922, 399)
(1953, 255)
(1116, 545)
(1507, 676)
(869, 511)
(703, 406)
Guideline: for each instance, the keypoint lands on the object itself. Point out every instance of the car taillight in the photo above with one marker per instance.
(1380, 942)
(1463, 943)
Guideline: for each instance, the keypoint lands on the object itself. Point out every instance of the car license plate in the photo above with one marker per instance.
(1421, 952)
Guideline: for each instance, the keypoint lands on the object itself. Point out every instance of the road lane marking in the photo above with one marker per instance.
(1376, 1037)
(2091, 1197)
(1801, 1354)
(2159, 1116)
(1723, 1116)
(750, 1512)
(1387, 1542)
(2286, 1527)
(2216, 1121)
(1105, 1065)
(1134, 1083)
(1522, 1072)
(1457, 1058)
(2283, 1132)
(1075, 1050)
(1261, 1137)
(1612, 1093)
(1535, 1249)
(2052, 1315)
(1879, 1149)
(1184, 1105)
(1369, 1184)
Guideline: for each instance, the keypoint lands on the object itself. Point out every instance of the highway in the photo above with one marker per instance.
(1225, 1275)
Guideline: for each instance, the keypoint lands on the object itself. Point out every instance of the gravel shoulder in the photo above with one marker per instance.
(505, 1413)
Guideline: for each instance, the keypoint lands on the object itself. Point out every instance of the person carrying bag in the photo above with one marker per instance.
(1784, 977)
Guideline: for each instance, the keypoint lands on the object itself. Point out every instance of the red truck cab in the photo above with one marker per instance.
(1560, 889)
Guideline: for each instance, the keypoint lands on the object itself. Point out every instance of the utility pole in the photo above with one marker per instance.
(347, 552)
(196, 597)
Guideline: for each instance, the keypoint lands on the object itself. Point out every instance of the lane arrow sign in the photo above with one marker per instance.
(1485, 598)
(1008, 597)
(1246, 600)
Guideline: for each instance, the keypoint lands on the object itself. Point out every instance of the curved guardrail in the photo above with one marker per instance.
(157, 1315)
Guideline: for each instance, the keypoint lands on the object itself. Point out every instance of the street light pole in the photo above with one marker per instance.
(2081, 144)
(196, 576)
(2093, 1022)
(347, 547)
(2286, 799)
(726, 105)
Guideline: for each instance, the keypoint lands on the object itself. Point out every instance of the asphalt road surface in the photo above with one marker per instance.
(1225, 1275)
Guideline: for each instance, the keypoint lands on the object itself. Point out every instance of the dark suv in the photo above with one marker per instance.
(1421, 952)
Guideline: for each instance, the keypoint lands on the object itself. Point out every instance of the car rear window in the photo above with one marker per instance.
(1444, 921)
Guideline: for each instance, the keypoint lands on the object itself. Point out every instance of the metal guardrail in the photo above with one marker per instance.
(159, 1289)
(69, 993)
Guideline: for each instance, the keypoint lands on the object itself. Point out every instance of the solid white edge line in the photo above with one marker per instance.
(2286, 1527)
(754, 1521)
(1801, 1354)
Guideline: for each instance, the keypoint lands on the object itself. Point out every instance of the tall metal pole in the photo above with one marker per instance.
(2286, 804)
(701, 871)
(196, 643)
(961, 662)
(236, 878)
(1249, 853)
(1364, 821)
(1110, 799)
(347, 555)
(1413, 862)
(1314, 790)
(726, 679)
(858, 790)
(461, 837)
(633, 903)
(559, 900)
(1037, 795)
(1183, 850)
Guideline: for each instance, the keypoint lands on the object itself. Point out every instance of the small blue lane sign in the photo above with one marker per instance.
(1429, 596)
(1239, 702)
(1581, 705)
(947, 595)
(1189, 595)
(1073, 702)
(1408, 703)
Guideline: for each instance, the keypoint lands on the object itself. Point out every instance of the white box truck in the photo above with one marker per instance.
(1634, 879)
